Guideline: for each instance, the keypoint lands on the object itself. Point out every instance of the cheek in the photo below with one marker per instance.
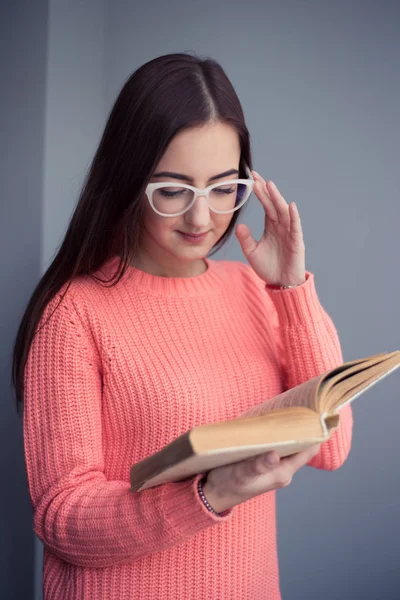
(159, 227)
(221, 222)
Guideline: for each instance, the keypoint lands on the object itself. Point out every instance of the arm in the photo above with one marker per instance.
(309, 345)
(80, 515)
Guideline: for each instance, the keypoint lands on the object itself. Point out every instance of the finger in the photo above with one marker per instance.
(257, 465)
(263, 195)
(296, 230)
(264, 462)
(246, 240)
(298, 460)
(279, 201)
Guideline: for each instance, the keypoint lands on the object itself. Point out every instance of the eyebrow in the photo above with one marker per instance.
(190, 179)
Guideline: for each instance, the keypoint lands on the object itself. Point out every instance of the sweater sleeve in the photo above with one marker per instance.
(308, 345)
(80, 515)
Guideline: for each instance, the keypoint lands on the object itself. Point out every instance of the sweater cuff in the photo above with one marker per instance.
(297, 305)
(185, 510)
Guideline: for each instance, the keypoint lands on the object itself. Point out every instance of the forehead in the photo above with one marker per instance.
(202, 152)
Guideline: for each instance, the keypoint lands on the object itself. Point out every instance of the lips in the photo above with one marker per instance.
(194, 234)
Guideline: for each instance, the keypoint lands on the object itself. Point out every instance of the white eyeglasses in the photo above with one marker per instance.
(169, 199)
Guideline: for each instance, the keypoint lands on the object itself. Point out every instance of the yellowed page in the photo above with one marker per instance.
(306, 394)
(325, 390)
(350, 390)
(346, 385)
(301, 395)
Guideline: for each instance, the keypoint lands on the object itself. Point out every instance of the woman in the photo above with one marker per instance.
(142, 336)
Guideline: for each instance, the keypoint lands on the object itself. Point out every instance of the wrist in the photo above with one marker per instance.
(211, 498)
(284, 286)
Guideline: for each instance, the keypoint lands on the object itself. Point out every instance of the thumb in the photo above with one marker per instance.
(246, 240)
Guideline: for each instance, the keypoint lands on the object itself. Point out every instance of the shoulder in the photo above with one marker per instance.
(73, 310)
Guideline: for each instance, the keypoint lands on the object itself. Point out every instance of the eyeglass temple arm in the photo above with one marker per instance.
(248, 172)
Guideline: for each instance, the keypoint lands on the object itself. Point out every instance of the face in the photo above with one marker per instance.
(200, 154)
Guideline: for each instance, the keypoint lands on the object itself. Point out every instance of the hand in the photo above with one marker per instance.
(232, 484)
(279, 257)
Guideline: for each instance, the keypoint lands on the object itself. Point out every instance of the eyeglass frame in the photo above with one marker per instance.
(200, 192)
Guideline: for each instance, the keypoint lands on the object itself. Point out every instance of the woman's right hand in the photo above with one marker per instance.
(233, 484)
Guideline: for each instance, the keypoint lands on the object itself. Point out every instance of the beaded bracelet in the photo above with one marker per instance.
(271, 286)
(204, 499)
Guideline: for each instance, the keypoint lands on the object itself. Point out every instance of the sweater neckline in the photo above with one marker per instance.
(208, 282)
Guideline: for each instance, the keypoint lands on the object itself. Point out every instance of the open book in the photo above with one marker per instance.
(288, 423)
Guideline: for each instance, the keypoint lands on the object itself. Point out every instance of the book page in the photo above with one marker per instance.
(301, 395)
(351, 392)
(326, 392)
(337, 388)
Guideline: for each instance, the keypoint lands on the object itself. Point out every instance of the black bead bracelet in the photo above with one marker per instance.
(204, 499)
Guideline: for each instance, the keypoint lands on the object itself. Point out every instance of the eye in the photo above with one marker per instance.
(174, 193)
(222, 190)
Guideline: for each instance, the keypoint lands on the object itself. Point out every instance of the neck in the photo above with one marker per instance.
(179, 269)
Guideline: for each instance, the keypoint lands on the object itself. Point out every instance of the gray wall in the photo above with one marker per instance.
(319, 86)
(23, 38)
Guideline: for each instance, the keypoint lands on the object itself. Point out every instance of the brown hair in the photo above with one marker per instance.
(164, 96)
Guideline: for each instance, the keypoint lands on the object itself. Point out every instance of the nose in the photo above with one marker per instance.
(199, 213)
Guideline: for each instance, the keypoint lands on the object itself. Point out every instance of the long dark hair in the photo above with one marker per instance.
(162, 97)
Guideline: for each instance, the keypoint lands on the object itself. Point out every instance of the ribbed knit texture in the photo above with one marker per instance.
(117, 373)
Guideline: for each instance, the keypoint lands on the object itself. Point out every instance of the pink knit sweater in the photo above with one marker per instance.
(116, 374)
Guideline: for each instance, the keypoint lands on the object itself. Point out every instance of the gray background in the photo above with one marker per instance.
(319, 84)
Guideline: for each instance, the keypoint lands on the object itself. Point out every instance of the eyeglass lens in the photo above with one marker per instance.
(170, 200)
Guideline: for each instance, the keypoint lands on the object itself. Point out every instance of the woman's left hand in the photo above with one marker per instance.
(279, 257)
